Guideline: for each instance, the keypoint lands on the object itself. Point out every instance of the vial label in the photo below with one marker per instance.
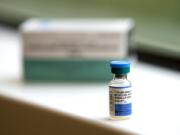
(120, 101)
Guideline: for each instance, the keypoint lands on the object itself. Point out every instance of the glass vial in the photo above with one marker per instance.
(120, 104)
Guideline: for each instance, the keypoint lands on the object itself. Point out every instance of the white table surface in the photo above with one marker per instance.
(156, 91)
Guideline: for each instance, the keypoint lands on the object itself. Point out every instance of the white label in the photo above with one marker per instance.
(120, 101)
(68, 45)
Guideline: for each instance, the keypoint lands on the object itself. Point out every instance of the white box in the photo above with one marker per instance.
(80, 38)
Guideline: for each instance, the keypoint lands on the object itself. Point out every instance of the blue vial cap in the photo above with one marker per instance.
(120, 67)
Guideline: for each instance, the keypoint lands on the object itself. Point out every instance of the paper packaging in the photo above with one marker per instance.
(73, 50)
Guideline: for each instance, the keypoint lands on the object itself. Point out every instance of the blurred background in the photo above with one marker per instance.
(157, 22)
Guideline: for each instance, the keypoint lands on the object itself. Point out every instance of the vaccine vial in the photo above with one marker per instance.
(120, 104)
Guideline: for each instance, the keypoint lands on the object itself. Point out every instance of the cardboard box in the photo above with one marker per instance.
(73, 50)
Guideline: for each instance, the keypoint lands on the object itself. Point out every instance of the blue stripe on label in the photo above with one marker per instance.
(120, 87)
(123, 109)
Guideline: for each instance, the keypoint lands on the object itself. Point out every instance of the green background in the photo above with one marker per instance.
(157, 21)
